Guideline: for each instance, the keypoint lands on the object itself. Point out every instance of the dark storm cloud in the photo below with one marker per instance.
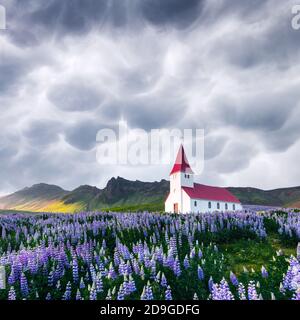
(229, 162)
(152, 112)
(82, 135)
(12, 70)
(31, 22)
(257, 112)
(75, 96)
(177, 13)
(42, 132)
(278, 45)
(213, 146)
(73, 16)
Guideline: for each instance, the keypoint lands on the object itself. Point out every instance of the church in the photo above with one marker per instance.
(188, 197)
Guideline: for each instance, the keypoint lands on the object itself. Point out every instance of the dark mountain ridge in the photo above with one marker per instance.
(121, 194)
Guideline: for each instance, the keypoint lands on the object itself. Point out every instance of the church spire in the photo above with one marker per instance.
(181, 164)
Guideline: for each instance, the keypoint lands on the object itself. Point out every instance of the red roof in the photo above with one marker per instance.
(181, 164)
(201, 191)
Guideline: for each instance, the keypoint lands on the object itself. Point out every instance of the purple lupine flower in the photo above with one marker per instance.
(200, 273)
(163, 281)
(82, 284)
(24, 285)
(252, 293)
(121, 293)
(210, 284)
(75, 271)
(50, 279)
(11, 278)
(12, 294)
(168, 294)
(296, 296)
(147, 293)
(131, 284)
(176, 267)
(99, 285)
(48, 296)
(234, 279)
(186, 262)
(93, 293)
(67, 294)
(242, 292)
(111, 271)
(298, 251)
(193, 253)
(264, 272)
(221, 291)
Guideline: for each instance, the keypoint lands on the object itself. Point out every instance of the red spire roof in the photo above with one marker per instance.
(201, 191)
(181, 164)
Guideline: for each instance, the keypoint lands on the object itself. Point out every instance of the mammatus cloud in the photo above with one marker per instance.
(71, 68)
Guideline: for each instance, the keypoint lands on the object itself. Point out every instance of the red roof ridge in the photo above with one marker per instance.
(201, 191)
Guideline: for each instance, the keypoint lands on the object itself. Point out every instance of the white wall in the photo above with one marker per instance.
(180, 197)
(202, 206)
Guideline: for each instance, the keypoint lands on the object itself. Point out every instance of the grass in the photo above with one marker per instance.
(254, 254)
(151, 207)
(60, 206)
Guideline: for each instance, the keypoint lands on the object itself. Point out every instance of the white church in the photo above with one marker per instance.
(188, 197)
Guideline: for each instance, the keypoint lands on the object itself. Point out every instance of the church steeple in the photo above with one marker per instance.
(181, 163)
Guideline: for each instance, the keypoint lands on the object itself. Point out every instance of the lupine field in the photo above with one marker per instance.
(147, 256)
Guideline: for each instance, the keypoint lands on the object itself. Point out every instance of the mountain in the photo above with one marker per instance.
(121, 194)
(35, 198)
(285, 197)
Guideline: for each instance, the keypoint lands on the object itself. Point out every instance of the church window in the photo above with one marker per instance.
(233, 206)
(195, 203)
(226, 206)
(209, 205)
(218, 205)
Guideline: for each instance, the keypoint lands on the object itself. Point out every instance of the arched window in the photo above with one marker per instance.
(218, 205)
(226, 206)
(233, 206)
(209, 205)
(195, 203)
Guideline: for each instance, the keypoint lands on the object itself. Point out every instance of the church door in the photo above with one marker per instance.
(175, 208)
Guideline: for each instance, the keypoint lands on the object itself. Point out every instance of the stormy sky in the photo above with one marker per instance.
(70, 68)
